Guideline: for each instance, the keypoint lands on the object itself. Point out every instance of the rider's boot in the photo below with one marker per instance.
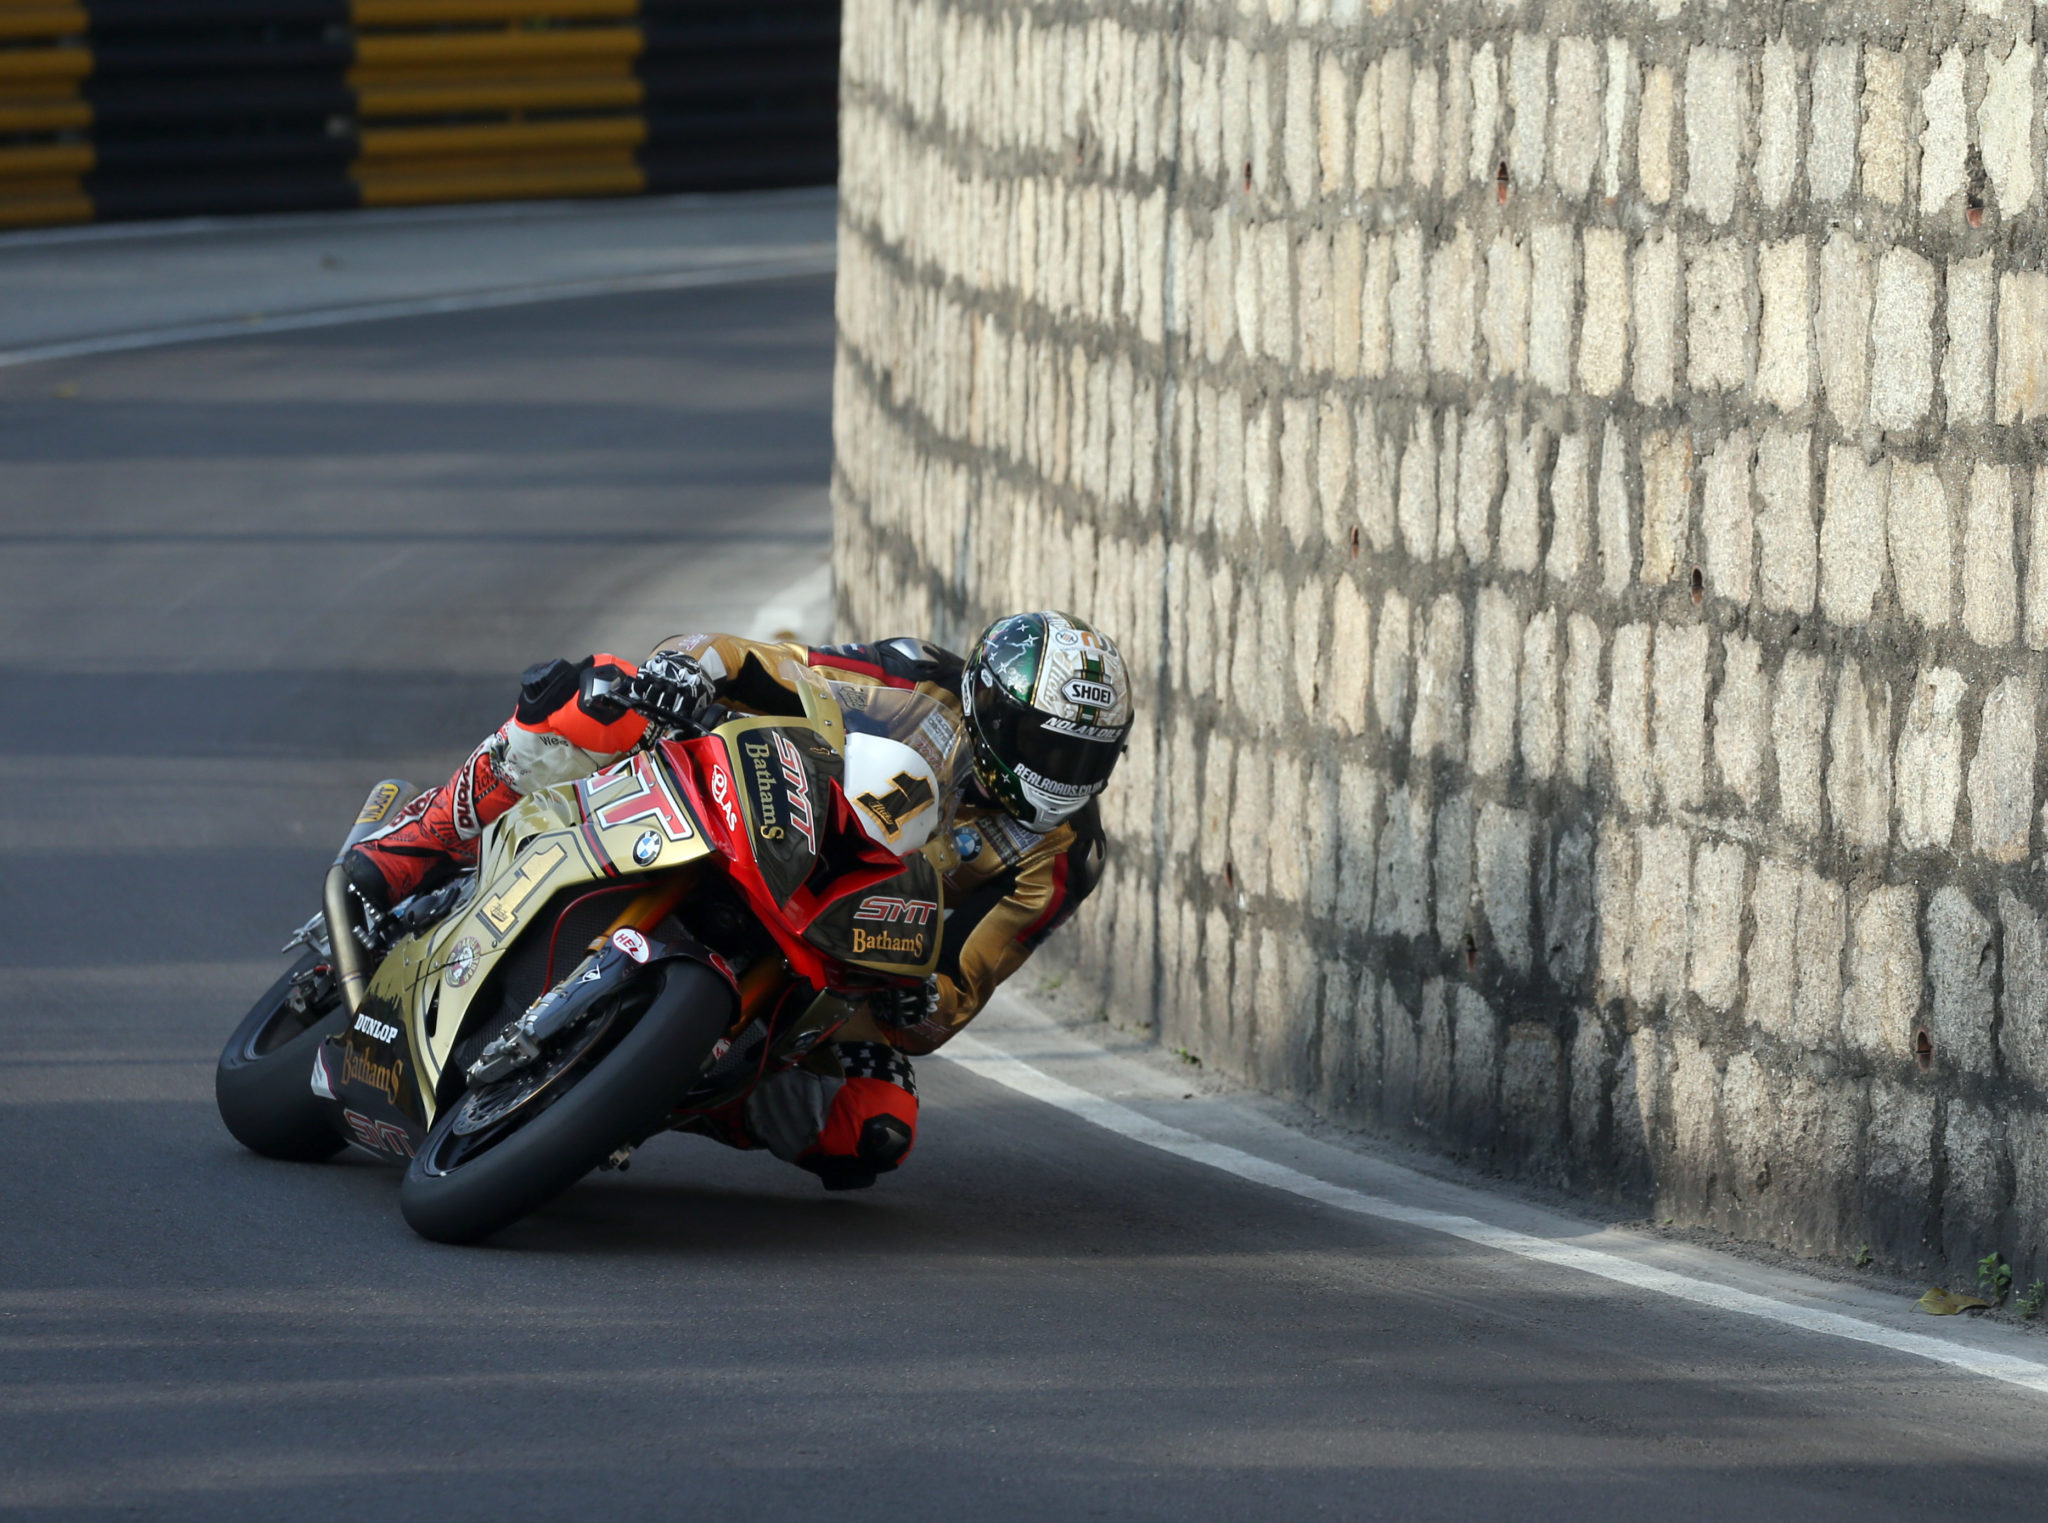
(435, 835)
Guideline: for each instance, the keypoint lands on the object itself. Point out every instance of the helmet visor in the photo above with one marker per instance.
(1063, 757)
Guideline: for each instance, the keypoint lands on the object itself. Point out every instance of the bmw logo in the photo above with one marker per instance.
(967, 842)
(647, 848)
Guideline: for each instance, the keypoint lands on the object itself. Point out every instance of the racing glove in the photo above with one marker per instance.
(671, 689)
(904, 1006)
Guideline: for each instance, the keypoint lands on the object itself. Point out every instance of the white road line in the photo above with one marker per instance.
(991, 1062)
(763, 266)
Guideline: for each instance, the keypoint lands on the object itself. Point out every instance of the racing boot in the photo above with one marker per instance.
(435, 835)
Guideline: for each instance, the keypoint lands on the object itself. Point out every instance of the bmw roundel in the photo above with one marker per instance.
(647, 848)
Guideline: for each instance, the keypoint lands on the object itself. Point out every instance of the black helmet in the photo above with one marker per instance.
(1048, 708)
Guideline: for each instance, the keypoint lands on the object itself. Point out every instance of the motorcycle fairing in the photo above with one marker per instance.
(799, 855)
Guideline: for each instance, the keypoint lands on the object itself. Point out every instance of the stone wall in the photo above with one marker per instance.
(1567, 479)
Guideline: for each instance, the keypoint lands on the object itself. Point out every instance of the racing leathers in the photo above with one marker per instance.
(850, 1111)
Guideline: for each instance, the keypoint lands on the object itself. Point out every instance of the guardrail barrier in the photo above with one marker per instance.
(115, 109)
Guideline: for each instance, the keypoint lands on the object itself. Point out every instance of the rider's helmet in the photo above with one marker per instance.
(1048, 709)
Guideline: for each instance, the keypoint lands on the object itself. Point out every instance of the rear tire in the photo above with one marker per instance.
(625, 1094)
(263, 1084)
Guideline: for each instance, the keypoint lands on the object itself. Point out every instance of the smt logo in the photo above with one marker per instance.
(798, 784)
(376, 1029)
(885, 907)
(378, 1136)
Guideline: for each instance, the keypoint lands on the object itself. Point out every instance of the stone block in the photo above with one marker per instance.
(1566, 899)
(1580, 740)
(1479, 478)
(1881, 1003)
(1333, 125)
(1439, 681)
(1973, 1189)
(1521, 522)
(1390, 666)
(1537, 712)
(1990, 590)
(1359, 789)
(1798, 719)
(1727, 522)
(1415, 505)
(1628, 740)
(1502, 843)
(1614, 876)
(1883, 145)
(1621, 84)
(1655, 289)
(1496, 649)
(1945, 140)
(1773, 949)
(1844, 327)
(1667, 503)
(1654, 118)
(1344, 703)
(1334, 453)
(1720, 881)
(1570, 509)
(1528, 99)
(1575, 116)
(1659, 931)
(1475, 1062)
(1375, 293)
(1485, 113)
(1739, 707)
(2027, 1137)
(1902, 340)
(1788, 558)
(1592, 1072)
(2023, 1029)
(1920, 530)
(1531, 1092)
(1717, 307)
(1451, 309)
(1617, 553)
(1603, 335)
(1553, 289)
(1424, 121)
(1405, 302)
(1716, 111)
(1784, 362)
(2021, 393)
(2005, 126)
(1456, 147)
(1852, 534)
(1831, 151)
(1777, 149)
(1401, 889)
(1401, 1063)
(1930, 766)
(2037, 565)
(1898, 1170)
(2001, 779)
(1962, 971)
(1823, 928)
(1504, 322)
(1678, 688)
(1859, 777)
(1452, 869)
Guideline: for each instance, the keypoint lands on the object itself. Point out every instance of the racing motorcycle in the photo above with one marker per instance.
(635, 951)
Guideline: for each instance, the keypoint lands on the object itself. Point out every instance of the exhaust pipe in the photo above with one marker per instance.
(349, 972)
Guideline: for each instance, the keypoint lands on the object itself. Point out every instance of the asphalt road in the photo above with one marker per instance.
(239, 581)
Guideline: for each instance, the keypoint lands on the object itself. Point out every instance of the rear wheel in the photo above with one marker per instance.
(502, 1150)
(263, 1084)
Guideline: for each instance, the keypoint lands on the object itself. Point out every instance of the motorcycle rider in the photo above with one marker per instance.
(1045, 702)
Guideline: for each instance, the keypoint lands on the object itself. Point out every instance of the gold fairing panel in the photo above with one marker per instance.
(537, 849)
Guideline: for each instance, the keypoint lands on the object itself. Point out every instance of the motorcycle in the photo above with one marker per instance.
(635, 951)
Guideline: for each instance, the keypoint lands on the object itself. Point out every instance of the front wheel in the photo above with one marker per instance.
(264, 1083)
(503, 1150)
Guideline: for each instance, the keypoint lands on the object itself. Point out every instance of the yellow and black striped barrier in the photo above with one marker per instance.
(113, 109)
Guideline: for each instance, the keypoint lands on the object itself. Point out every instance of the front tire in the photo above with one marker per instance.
(263, 1084)
(462, 1189)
